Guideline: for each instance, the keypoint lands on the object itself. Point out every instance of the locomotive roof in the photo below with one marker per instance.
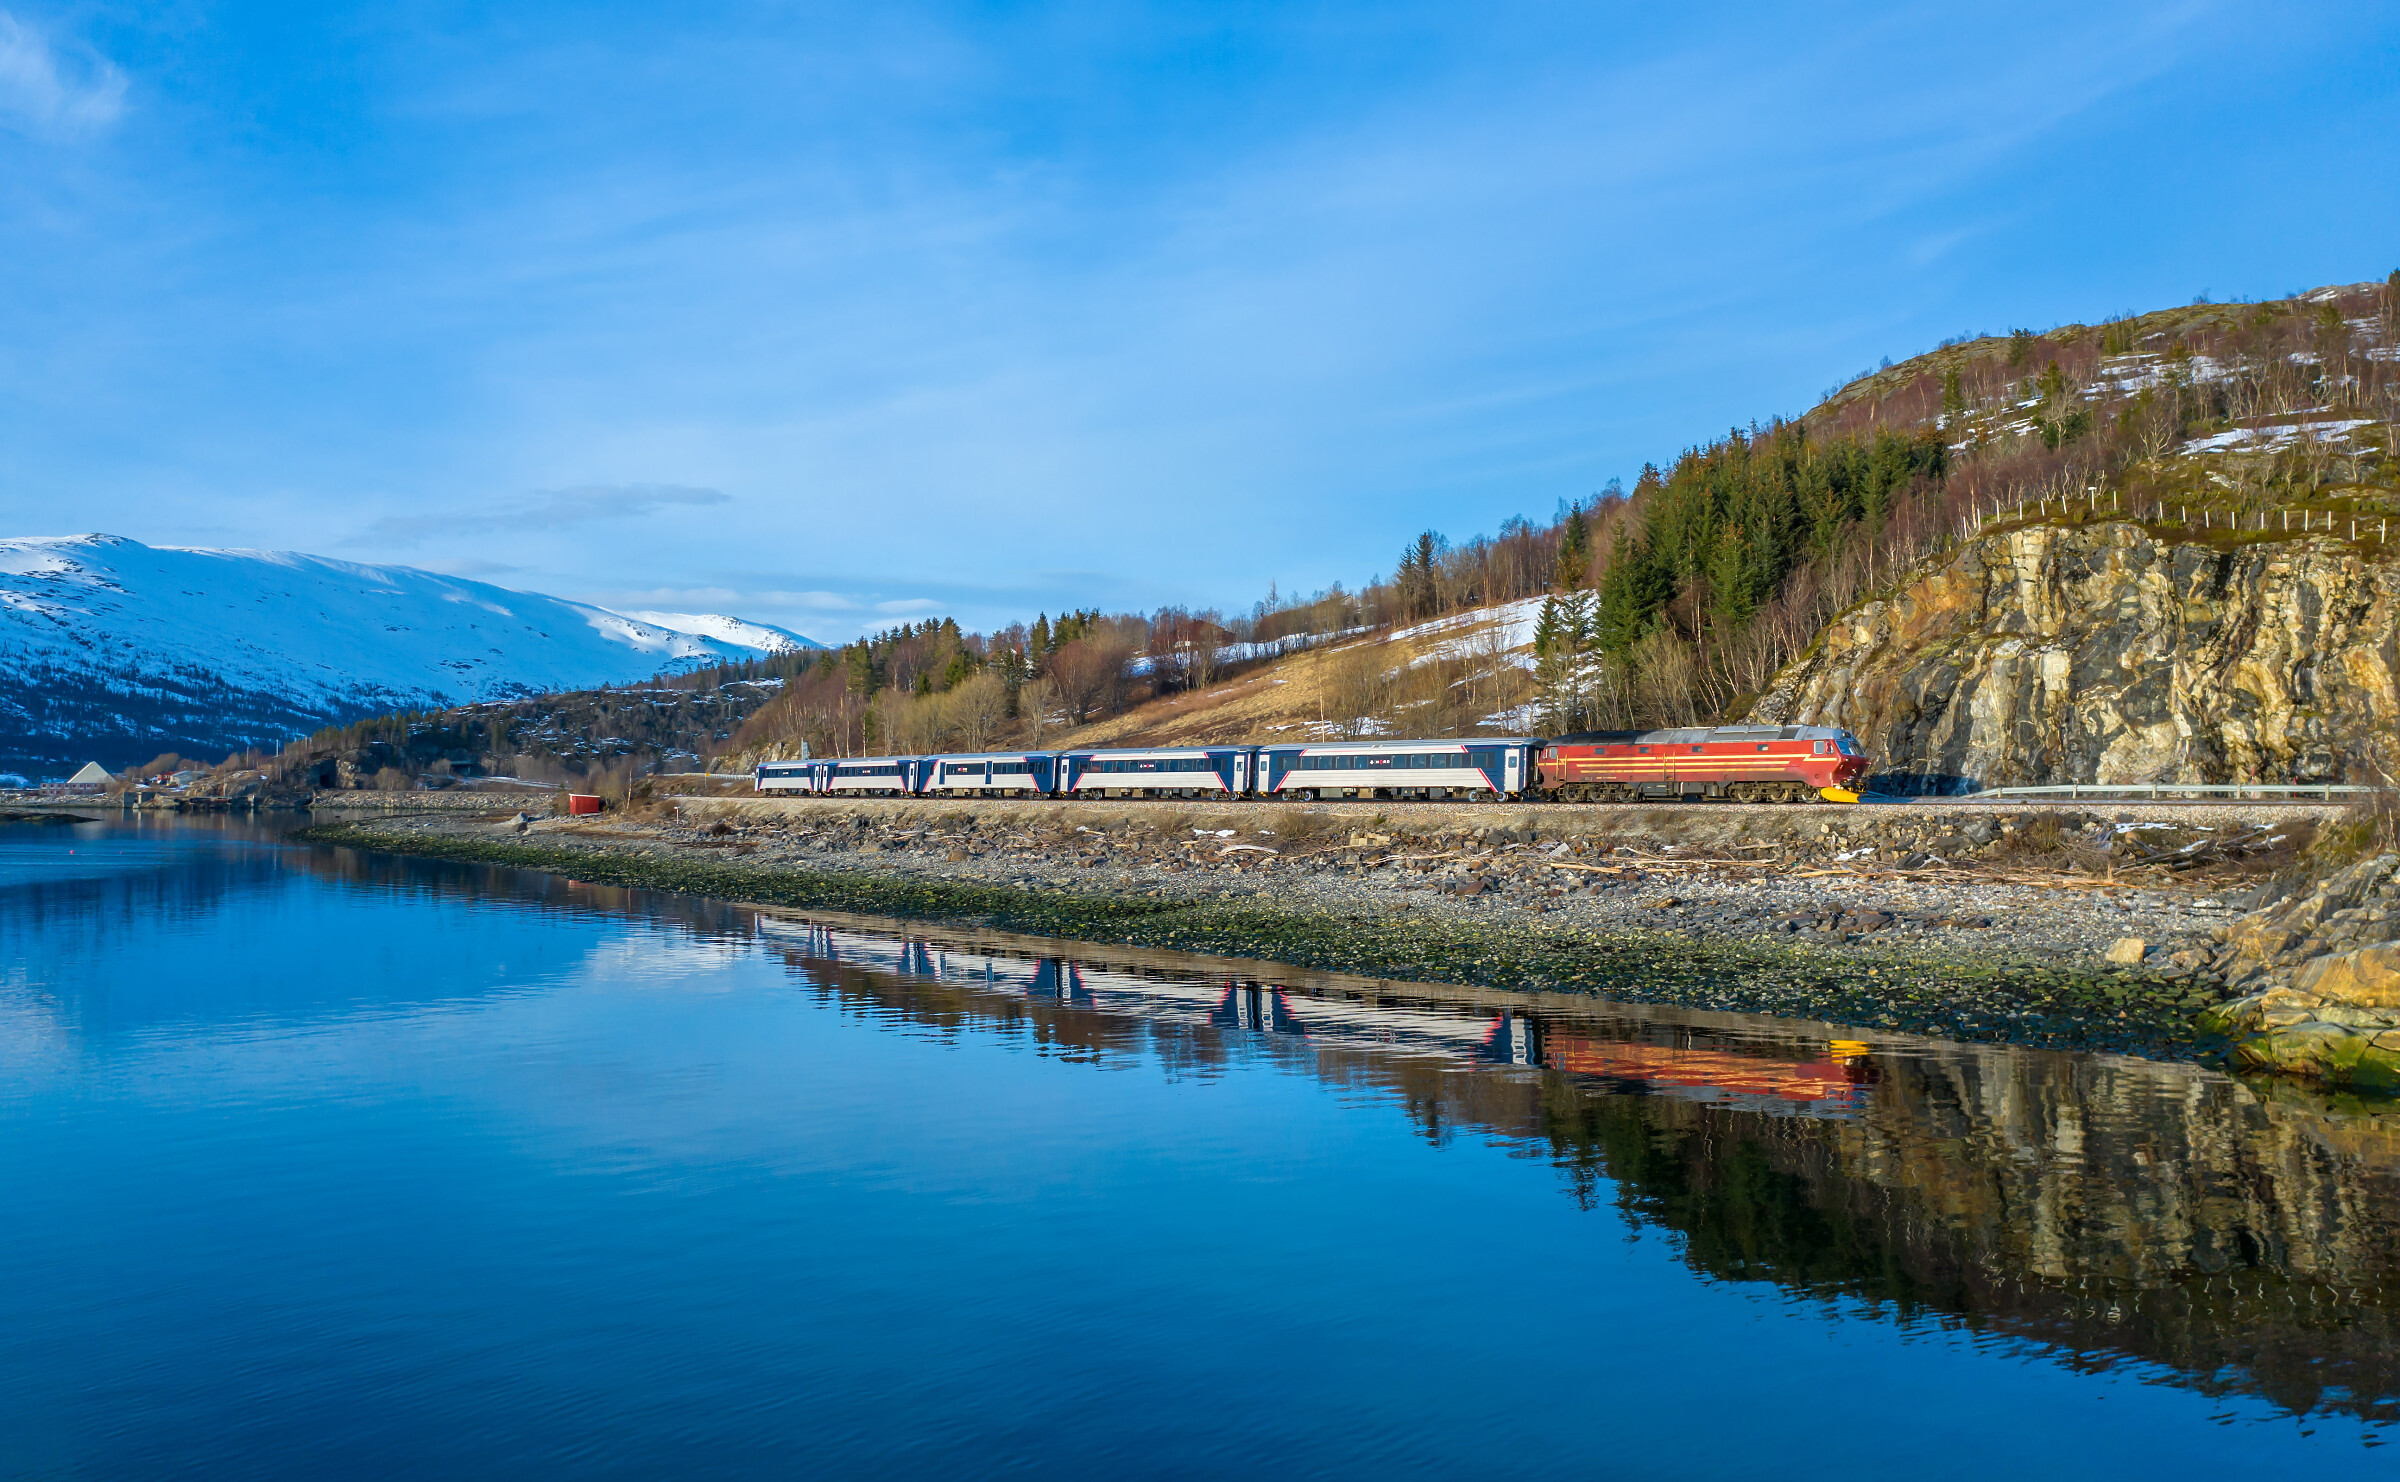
(1698, 735)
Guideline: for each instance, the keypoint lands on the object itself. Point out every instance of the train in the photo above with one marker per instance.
(1739, 763)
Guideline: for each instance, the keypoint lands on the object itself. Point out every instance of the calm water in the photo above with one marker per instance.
(321, 1164)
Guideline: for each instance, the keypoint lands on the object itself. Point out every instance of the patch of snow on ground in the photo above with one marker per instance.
(2143, 369)
(2268, 438)
(1463, 634)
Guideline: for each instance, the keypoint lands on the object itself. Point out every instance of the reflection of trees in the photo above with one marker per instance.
(2108, 1210)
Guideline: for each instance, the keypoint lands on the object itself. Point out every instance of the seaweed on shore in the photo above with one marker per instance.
(1952, 997)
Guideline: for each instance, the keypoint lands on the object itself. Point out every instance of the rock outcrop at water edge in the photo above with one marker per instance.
(2319, 977)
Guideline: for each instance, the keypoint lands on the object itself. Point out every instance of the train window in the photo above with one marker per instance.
(1762, 746)
(1698, 749)
(1644, 750)
(1820, 748)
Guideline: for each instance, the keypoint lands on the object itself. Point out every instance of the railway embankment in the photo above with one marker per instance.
(2101, 928)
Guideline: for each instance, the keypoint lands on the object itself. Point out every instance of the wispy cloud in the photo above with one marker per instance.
(544, 509)
(472, 568)
(52, 91)
(678, 599)
(811, 601)
(905, 605)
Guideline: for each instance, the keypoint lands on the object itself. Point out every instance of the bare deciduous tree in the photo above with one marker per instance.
(1351, 687)
(977, 712)
(1089, 674)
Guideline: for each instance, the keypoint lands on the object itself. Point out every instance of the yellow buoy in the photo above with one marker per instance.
(1837, 795)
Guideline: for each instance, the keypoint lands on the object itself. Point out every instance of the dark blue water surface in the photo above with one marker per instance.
(326, 1164)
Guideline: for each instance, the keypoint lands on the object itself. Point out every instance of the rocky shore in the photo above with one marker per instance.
(1970, 923)
(2316, 967)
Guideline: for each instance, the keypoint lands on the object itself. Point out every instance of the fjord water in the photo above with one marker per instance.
(319, 1163)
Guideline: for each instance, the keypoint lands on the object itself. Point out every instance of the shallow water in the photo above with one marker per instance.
(320, 1162)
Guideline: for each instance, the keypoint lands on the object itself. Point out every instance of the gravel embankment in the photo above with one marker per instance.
(1793, 914)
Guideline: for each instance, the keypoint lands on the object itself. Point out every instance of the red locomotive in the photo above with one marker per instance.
(1748, 764)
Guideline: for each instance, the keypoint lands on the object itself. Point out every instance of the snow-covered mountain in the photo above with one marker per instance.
(765, 638)
(114, 650)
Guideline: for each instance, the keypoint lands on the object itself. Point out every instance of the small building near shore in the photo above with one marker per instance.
(91, 779)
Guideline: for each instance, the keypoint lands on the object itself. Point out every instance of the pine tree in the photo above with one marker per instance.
(1416, 574)
(1631, 594)
(1574, 551)
(1565, 666)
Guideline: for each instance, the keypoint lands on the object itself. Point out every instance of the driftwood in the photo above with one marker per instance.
(2205, 852)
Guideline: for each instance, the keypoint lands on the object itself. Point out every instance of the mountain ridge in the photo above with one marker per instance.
(110, 647)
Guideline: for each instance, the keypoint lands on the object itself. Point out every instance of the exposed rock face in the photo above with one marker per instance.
(2098, 654)
(2319, 975)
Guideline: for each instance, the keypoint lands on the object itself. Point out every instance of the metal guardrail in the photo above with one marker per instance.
(2120, 791)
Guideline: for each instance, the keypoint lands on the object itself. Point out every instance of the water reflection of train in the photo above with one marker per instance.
(1777, 1079)
(2101, 1207)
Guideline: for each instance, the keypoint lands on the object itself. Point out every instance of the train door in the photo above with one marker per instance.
(1241, 773)
(1514, 765)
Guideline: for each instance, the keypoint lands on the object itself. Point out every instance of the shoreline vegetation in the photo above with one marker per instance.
(2002, 961)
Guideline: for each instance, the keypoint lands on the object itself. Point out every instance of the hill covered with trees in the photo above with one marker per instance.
(1691, 596)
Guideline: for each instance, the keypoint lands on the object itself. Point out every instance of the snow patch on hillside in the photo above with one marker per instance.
(742, 633)
(1508, 626)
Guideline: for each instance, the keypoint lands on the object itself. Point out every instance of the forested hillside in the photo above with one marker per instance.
(2162, 553)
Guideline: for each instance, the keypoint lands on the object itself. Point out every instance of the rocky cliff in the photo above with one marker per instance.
(2105, 652)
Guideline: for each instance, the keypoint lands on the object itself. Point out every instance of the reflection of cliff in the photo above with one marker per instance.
(2108, 1209)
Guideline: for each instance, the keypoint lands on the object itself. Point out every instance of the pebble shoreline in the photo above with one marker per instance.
(1708, 910)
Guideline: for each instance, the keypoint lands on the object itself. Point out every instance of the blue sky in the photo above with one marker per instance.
(829, 315)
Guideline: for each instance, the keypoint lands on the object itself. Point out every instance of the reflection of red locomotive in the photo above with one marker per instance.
(1719, 1073)
(1748, 764)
